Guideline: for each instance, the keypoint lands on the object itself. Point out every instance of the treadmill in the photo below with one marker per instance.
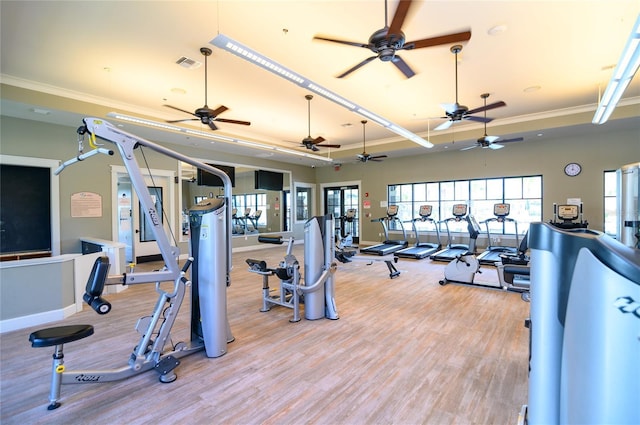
(389, 246)
(452, 251)
(493, 252)
(421, 249)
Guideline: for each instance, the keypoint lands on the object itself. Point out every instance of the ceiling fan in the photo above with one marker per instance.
(387, 41)
(490, 141)
(308, 142)
(205, 114)
(364, 156)
(456, 112)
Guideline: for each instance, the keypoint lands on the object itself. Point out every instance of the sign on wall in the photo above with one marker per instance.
(86, 204)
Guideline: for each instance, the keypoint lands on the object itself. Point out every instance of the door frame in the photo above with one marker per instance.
(169, 201)
(357, 183)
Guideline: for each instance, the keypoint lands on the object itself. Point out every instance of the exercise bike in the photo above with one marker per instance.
(464, 267)
(210, 330)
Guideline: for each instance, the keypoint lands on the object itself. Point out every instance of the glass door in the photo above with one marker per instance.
(338, 201)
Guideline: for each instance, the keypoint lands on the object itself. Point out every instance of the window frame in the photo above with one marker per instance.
(470, 192)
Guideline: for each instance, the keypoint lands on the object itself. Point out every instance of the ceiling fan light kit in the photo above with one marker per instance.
(488, 142)
(455, 112)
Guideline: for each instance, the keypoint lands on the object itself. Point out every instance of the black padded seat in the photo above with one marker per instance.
(59, 335)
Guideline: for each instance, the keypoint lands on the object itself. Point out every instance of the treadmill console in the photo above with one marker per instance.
(568, 212)
(392, 210)
(459, 211)
(501, 210)
(425, 211)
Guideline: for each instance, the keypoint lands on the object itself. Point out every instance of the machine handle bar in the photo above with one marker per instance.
(82, 157)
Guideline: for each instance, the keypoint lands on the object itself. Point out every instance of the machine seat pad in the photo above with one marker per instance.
(59, 335)
(271, 239)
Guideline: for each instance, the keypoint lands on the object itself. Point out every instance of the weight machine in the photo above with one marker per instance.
(317, 288)
(209, 263)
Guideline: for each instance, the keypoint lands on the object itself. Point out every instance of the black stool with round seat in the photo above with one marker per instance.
(57, 337)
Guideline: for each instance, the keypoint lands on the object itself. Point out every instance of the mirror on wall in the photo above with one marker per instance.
(260, 197)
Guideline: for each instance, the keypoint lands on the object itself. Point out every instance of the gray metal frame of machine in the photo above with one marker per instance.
(149, 354)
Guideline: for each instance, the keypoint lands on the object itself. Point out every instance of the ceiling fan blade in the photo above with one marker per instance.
(349, 43)
(220, 109)
(317, 140)
(212, 125)
(403, 67)
(361, 64)
(329, 146)
(491, 139)
(181, 110)
(444, 125)
(232, 121)
(477, 119)
(515, 139)
(487, 107)
(377, 157)
(495, 146)
(187, 119)
(398, 18)
(469, 147)
(437, 41)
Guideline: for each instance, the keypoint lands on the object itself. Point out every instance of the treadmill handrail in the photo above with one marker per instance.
(500, 219)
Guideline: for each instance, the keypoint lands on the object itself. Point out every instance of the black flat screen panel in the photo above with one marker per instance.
(25, 209)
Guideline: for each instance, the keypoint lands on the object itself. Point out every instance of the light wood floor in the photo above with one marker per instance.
(404, 351)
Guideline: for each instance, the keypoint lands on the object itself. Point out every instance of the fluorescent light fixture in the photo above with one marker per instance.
(246, 53)
(622, 76)
(213, 136)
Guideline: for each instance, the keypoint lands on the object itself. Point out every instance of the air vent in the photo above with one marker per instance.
(188, 63)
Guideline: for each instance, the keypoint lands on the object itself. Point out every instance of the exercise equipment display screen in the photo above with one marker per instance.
(568, 212)
(501, 210)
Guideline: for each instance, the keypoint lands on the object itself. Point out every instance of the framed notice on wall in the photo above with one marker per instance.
(86, 204)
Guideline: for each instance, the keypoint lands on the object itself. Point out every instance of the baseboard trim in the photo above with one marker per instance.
(22, 322)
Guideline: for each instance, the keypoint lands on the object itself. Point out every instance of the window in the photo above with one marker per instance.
(254, 202)
(524, 194)
(610, 203)
(304, 198)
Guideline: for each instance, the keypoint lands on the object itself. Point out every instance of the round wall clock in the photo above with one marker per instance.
(572, 169)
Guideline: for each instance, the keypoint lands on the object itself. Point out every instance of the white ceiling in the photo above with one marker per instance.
(122, 56)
